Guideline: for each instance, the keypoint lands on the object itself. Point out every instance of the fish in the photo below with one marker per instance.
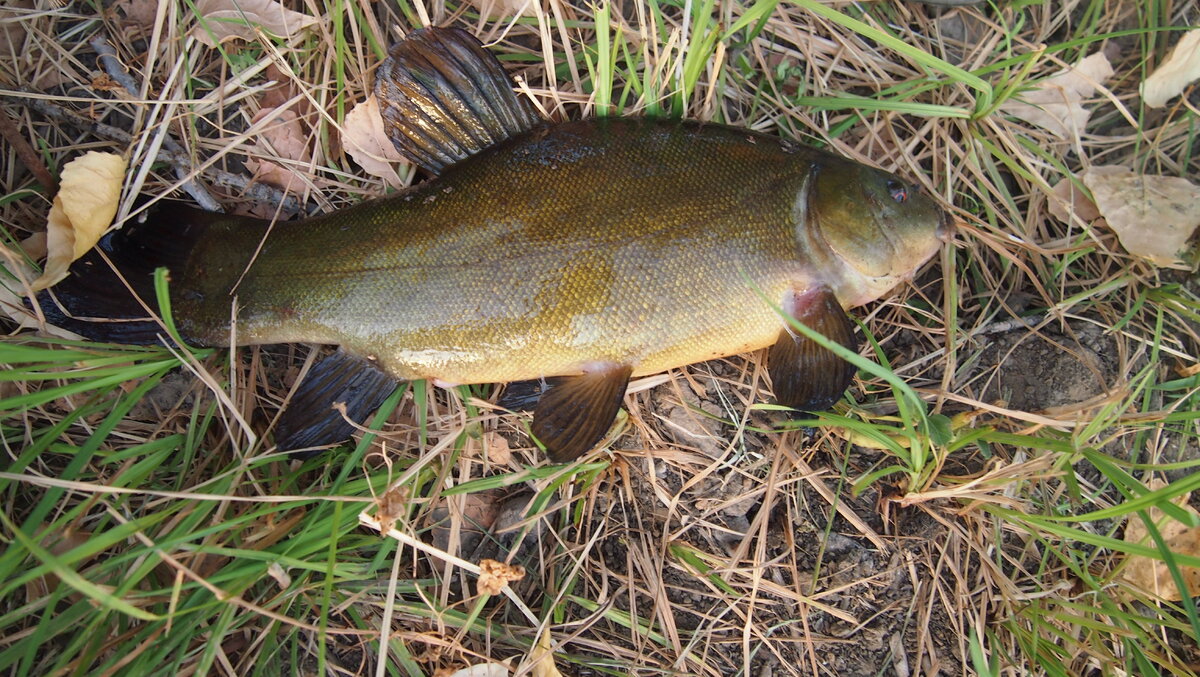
(577, 255)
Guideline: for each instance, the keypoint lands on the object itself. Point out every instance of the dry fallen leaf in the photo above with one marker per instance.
(282, 136)
(391, 507)
(139, 13)
(13, 286)
(282, 91)
(276, 571)
(482, 670)
(1152, 215)
(474, 513)
(496, 447)
(83, 209)
(365, 139)
(1152, 575)
(504, 9)
(1066, 199)
(1178, 71)
(59, 542)
(1056, 103)
(224, 20)
(541, 658)
(493, 576)
(283, 131)
(12, 26)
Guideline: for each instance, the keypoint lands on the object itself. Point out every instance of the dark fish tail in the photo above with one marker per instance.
(109, 293)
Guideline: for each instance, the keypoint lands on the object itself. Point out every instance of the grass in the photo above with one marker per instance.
(937, 520)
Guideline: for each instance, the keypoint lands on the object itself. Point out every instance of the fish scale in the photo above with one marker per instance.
(468, 279)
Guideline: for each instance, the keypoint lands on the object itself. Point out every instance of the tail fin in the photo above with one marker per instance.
(106, 302)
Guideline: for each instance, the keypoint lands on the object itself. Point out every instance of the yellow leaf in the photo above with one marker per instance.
(1152, 575)
(1152, 215)
(226, 20)
(1179, 70)
(482, 670)
(366, 140)
(83, 209)
(541, 659)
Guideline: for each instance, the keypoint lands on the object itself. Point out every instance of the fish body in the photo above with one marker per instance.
(592, 250)
(626, 241)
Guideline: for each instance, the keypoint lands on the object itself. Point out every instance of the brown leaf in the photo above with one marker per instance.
(493, 576)
(1152, 215)
(12, 26)
(275, 174)
(140, 13)
(1066, 199)
(1056, 103)
(1152, 575)
(475, 513)
(83, 209)
(281, 92)
(391, 507)
(367, 142)
(496, 447)
(58, 543)
(282, 136)
(283, 131)
(34, 246)
(1178, 71)
(277, 572)
(224, 20)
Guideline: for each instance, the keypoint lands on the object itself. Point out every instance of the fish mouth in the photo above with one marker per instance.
(945, 227)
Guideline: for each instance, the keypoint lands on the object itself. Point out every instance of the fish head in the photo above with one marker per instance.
(879, 226)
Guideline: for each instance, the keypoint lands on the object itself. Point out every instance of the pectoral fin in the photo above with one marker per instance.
(310, 419)
(804, 375)
(576, 412)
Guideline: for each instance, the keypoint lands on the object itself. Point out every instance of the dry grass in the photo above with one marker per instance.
(151, 529)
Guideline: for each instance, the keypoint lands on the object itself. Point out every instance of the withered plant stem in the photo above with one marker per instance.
(255, 191)
(25, 152)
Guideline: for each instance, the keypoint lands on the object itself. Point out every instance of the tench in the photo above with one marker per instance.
(590, 251)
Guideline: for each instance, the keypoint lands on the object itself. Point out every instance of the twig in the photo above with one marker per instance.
(25, 153)
(259, 192)
(114, 68)
(112, 65)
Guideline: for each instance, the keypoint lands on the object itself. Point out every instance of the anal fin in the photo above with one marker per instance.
(575, 413)
(311, 420)
(444, 98)
(805, 375)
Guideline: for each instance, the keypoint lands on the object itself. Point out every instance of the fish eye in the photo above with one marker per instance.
(898, 191)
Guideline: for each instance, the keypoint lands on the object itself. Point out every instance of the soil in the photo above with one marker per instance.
(1050, 370)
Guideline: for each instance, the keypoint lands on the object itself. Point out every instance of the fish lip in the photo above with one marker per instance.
(945, 227)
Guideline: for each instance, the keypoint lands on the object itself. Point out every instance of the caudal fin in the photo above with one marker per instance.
(116, 302)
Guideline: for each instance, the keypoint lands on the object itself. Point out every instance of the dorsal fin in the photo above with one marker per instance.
(445, 98)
